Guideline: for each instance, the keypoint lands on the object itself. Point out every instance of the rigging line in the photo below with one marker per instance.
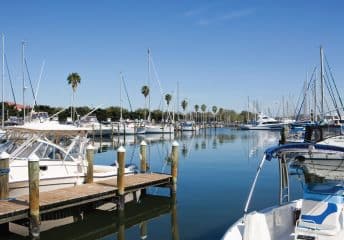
(126, 92)
(40, 78)
(297, 104)
(304, 97)
(10, 78)
(330, 89)
(156, 76)
(28, 74)
(332, 78)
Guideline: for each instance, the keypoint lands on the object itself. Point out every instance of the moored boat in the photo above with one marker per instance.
(61, 150)
(318, 215)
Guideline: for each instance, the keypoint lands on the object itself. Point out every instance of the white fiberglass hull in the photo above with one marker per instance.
(130, 130)
(263, 127)
(189, 128)
(279, 223)
(152, 129)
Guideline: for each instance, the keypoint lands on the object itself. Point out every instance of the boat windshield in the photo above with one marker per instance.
(44, 151)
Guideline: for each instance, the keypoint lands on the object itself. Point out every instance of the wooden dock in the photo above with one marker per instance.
(32, 208)
(64, 198)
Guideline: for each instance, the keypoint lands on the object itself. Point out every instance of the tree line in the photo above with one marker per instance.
(200, 113)
(113, 113)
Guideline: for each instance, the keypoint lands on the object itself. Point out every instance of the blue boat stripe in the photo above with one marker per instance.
(318, 219)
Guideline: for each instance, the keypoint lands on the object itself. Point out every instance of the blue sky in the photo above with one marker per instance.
(220, 52)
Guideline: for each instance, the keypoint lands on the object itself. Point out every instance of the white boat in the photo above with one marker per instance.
(167, 128)
(129, 128)
(92, 124)
(318, 215)
(61, 150)
(264, 123)
(188, 126)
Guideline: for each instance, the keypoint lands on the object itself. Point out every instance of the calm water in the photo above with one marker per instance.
(216, 169)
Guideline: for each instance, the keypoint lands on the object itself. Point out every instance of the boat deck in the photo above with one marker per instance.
(18, 208)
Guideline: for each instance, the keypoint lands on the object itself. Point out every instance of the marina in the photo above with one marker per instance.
(199, 120)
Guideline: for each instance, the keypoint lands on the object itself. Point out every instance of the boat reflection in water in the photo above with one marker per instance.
(104, 221)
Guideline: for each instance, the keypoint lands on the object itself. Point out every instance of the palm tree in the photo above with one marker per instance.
(184, 105)
(74, 80)
(196, 110)
(145, 92)
(214, 108)
(168, 98)
(221, 113)
(203, 108)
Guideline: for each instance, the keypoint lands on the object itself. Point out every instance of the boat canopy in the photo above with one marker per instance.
(49, 128)
(276, 151)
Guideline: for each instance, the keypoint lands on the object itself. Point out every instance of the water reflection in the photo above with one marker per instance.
(320, 170)
(105, 223)
(258, 141)
(187, 140)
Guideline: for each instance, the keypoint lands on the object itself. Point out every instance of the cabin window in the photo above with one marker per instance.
(49, 152)
(28, 150)
(75, 151)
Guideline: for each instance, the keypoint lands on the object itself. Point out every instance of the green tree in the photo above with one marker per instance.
(145, 92)
(196, 110)
(203, 108)
(184, 106)
(74, 80)
(214, 108)
(221, 113)
(168, 98)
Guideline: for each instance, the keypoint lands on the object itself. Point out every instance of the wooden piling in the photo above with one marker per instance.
(174, 217)
(120, 176)
(284, 134)
(34, 197)
(4, 189)
(174, 165)
(121, 223)
(89, 158)
(143, 156)
(4, 175)
(112, 132)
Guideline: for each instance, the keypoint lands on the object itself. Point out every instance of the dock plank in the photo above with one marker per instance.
(86, 193)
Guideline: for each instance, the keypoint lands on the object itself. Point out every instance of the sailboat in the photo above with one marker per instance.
(151, 127)
(319, 214)
(126, 127)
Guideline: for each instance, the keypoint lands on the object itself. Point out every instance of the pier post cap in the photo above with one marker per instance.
(143, 143)
(4, 155)
(121, 149)
(34, 158)
(90, 147)
(175, 144)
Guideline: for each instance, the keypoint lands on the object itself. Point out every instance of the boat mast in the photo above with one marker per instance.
(248, 109)
(315, 98)
(178, 101)
(120, 96)
(149, 98)
(23, 79)
(3, 80)
(322, 81)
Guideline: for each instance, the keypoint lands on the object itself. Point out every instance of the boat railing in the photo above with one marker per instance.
(254, 185)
